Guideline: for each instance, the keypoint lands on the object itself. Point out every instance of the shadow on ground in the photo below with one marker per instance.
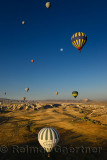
(4, 119)
(56, 105)
(33, 151)
(4, 111)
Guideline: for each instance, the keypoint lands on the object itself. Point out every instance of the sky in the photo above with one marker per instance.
(47, 31)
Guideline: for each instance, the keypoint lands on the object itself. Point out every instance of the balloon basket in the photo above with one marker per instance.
(48, 155)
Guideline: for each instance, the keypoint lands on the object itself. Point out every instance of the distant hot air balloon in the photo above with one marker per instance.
(5, 93)
(48, 4)
(61, 49)
(26, 89)
(23, 22)
(56, 93)
(48, 138)
(23, 98)
(32, 60)
(79, 39)
(75, 93)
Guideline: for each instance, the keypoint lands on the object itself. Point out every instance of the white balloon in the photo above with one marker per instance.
(26, 89)
(48, 138)
(61, 49)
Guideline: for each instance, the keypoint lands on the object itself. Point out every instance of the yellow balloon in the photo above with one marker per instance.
(48, 4)
(23, 22)
(56, 93)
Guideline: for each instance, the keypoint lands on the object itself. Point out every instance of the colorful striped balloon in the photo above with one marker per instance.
(79, 39)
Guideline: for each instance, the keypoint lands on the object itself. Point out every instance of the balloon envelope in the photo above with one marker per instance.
(56, 93)
(23, 98)
(75, 93)
(32, 60)
(61, 49)
(48, 4)
(79, 39)
(48, 138)
(23, 22)
(26, 89)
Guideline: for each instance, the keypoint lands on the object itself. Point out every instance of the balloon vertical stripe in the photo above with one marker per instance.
(50, 134)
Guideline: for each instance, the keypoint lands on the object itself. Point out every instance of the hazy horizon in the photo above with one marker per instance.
(52, 99)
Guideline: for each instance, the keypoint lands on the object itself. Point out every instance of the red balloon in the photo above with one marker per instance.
(32, 61)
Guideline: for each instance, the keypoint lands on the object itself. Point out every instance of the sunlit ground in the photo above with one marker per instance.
(82, 129)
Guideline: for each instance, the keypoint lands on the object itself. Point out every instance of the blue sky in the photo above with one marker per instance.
(45, 32)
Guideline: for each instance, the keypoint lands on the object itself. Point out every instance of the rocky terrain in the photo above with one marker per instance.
(82, 126)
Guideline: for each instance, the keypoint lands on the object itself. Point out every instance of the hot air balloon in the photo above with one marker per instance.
(26, 89)
(32, 60)
(61, 49)
(79, 39)
(56, 93)
(75, 93)
(23, 98)
(5, 93)
(23, 22)
(48, 4)
(48, 138)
